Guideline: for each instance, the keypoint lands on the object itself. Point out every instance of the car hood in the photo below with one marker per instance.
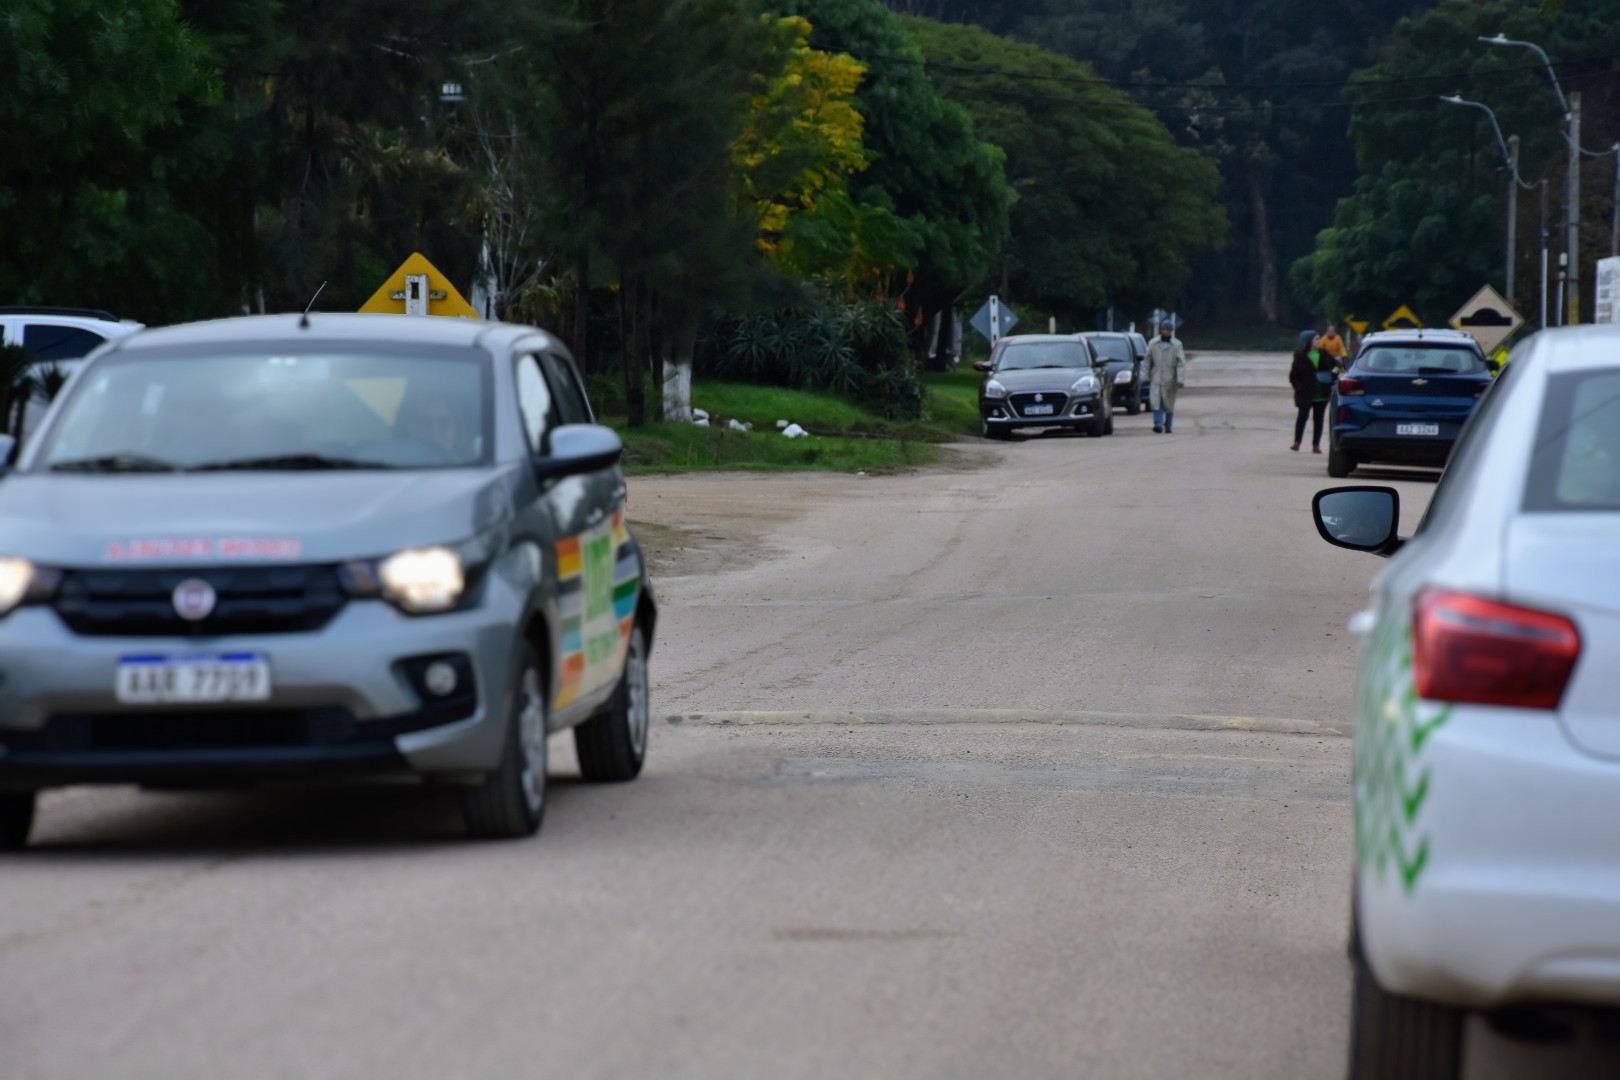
(81, 521)
(1058, 379)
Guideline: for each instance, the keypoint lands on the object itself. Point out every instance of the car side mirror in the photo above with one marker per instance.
(983, 365)
(577, 449)
(1360, 518)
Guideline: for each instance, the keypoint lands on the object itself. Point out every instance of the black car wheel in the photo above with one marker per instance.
(16, 819)
(511, 801)
(989, 431)
(1132, 408)
(1340, 464)
(613, 745)
(1401, 1038)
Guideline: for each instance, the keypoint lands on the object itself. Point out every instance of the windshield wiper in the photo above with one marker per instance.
(291, 462)
(116, 463)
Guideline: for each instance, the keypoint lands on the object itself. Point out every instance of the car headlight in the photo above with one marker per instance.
(423, 580)
(1123, 375)
(22, 582)
(993, 389)
(1085, 384)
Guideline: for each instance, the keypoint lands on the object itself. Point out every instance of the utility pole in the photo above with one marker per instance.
(1572, 221)
(1545, 237)
(1513, 212)
(1614, 227)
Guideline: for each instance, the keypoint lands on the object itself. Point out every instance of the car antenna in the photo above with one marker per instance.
(303, 321)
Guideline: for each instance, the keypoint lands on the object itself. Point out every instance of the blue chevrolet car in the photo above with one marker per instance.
(1405, 399)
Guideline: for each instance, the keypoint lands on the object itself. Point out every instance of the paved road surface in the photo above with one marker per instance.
(1029, 767)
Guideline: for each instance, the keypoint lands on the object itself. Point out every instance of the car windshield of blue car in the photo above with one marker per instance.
(1421, 360)
(259, 411)
(1046, 354)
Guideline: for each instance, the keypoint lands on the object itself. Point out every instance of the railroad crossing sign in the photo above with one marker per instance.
(1489, 317)
(1403, 319)
(1358, 325)
(418, 288)
(995, 320)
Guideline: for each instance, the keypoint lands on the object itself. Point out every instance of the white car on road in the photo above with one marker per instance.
(1487, 759)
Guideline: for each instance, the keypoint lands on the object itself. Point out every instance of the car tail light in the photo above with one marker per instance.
(1476, 651)
(1352, 387)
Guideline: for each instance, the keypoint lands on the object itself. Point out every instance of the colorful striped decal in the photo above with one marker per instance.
(599, 586)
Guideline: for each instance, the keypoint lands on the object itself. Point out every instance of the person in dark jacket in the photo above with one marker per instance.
(1312, 375)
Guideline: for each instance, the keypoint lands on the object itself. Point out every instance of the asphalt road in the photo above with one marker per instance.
(1030, 766)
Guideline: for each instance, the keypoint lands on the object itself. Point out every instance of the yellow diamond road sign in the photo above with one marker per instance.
(417, 288)
(1489, 317)
(1403, 319)
(1358, 325)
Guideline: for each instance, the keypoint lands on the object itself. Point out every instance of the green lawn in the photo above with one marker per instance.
(668, 448)
(953, 400)
(844, 437)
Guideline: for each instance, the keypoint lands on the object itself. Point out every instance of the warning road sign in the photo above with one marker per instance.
(1403, 319)
(418, 288)
(1489, 317)
(1358, 325)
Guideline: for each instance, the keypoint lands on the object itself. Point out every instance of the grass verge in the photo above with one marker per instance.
(671, 448)
(953, 400)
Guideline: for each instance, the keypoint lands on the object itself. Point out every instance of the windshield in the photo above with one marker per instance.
(317, 410)
(1043, 354)
(1422, 360)
(1114, 350)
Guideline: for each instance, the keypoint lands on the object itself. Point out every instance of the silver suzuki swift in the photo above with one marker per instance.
(279, 547)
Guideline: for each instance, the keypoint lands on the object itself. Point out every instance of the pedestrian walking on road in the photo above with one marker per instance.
(1312, 375)
(1167, 373)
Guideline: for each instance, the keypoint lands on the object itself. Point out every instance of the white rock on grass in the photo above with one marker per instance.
(794, 431)
(782, 425)
(737, 425)
(702, 421)
(699, 414)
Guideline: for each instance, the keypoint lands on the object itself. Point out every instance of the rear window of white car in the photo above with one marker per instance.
(1575, 464)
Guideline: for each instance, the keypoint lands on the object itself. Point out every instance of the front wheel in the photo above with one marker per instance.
(1108, 428)
(986, 431)
(613, 745)
(16, 819)
(511, 801)
(1133, 408)
(1340, 464)
(1400, 1038)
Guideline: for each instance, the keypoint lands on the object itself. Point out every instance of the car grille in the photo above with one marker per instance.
(251, 600)
(1021, 403)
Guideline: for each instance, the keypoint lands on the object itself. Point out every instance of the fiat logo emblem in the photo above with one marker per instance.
(194, 599)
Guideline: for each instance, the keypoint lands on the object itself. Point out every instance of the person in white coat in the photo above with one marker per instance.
(1167, 373)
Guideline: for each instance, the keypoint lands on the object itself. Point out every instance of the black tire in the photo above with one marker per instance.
(1109, 428)
(1097, 428)
(16, 819)
(510, 803)
(612, 745)
(1133, 408)
(987, 431)
(1400, 1038)
(1340, 464)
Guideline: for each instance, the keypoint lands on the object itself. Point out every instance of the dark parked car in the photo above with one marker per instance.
(1125, 367)
(1043, 381)
(1405, 399)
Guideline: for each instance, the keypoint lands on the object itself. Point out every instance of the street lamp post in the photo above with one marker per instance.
(1572, 135)
(1510, 151)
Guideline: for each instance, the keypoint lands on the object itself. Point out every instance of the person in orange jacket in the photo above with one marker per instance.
(1334, 344)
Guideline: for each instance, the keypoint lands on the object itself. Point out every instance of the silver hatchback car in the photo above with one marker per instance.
(342, 544)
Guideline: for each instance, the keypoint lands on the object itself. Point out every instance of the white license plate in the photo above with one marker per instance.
(193, 679)
(1417, 429)
(1038, 410)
